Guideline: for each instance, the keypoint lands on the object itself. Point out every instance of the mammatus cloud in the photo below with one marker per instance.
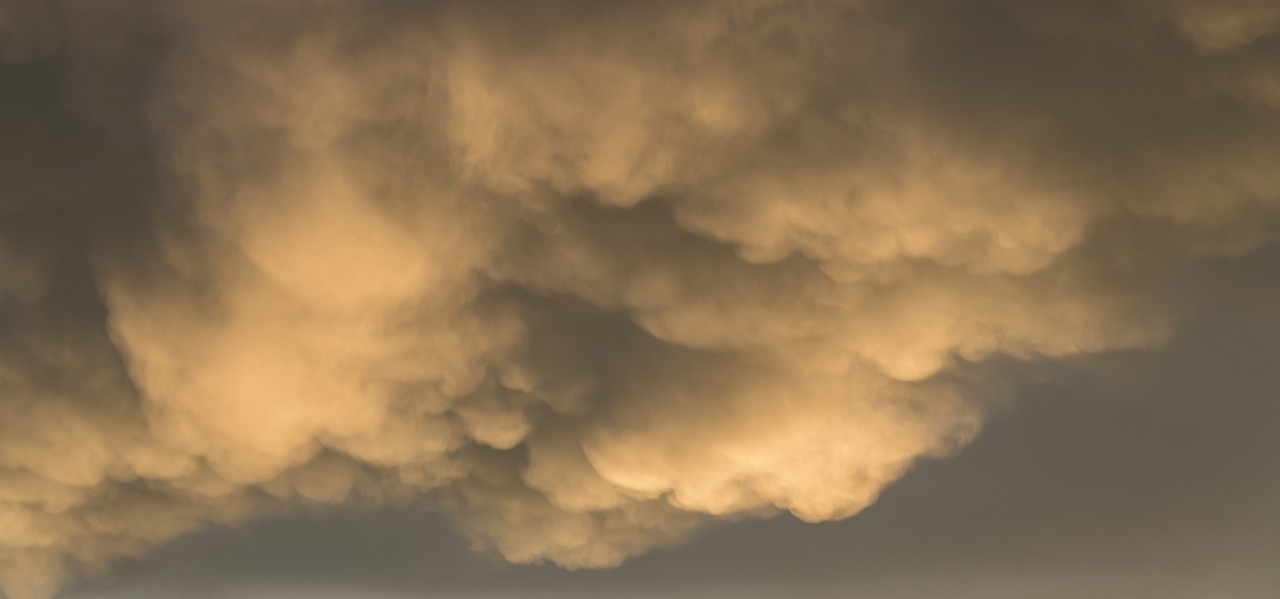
(584, 275)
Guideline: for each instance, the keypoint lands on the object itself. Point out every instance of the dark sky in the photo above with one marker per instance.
(768, 298)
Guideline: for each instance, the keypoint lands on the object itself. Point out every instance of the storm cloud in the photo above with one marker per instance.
(584, 276)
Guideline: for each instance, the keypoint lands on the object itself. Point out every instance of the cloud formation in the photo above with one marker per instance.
(584, 275)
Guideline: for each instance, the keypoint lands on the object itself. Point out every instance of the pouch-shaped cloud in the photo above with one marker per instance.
(584, 275)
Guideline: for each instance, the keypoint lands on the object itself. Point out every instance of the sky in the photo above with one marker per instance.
(762, 298)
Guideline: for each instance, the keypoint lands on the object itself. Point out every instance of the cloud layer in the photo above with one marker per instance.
(584, 275)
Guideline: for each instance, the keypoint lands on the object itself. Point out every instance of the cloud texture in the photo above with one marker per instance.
(582, 274)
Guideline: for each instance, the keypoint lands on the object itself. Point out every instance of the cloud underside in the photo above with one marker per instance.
(583, 275)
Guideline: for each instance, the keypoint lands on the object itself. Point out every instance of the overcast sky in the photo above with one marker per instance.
(762, 298)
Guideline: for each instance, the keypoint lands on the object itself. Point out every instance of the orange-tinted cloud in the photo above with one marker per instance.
(583, 275)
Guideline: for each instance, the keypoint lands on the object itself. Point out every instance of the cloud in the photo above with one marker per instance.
(584, 276)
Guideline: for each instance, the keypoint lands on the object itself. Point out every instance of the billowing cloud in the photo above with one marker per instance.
(583, 275)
